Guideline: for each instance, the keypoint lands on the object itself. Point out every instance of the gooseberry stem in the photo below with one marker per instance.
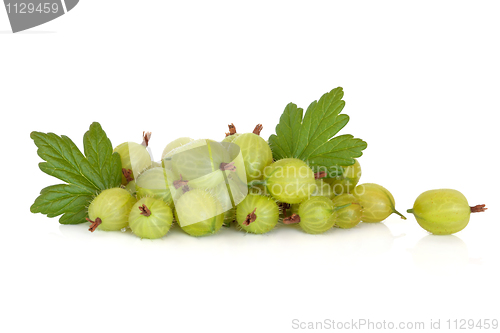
(257, 129)
(144, 210)
(180, 183)
(94, 224)
(398, 213)
(127, 173)
(410, 211)
(250, 218)
(146, 136)
(294, 218)
(478, 209)
(232, 129)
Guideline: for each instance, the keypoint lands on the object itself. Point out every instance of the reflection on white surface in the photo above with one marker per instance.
(366, 239)
(288, 244)
(441, 254)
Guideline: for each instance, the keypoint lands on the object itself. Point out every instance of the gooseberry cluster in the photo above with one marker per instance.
(203, 185)
(305, 175)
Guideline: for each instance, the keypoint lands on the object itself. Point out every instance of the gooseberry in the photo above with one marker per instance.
(290, 180)
(315, 215)
(443, 211)
(377, 202)
(110, 209)
(150, 218)
(199, 213)
(348, 181)
(257, 214)
(153, 183)
(134, 157)
(347, 212)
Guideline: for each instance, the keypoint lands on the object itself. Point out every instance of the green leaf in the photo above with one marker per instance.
(311, 138)
(85, 175)
(99, 152)
(69, 200)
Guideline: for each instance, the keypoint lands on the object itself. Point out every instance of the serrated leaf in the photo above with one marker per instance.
(289, 127)
(69, 200)
(99, 152)
(311, 138)
(85, 175)
(338, 151)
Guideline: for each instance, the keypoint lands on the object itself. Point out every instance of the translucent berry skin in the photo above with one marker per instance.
(290, 180)
(348, 181)
(199, 213)
(112, 206)
(231, 138)
(153, 183)
(316, 215)
(377, 202)
(185, 147)
(266, 212)
(155, 225)
(174, 145)
(134, 157)
(256, 154)
(323, 189)
(347, 212)
(198, 162)
(229, 194)
(442, 211)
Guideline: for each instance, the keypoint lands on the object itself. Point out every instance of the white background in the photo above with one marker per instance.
(421, 83)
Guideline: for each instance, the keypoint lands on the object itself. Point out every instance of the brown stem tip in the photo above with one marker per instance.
(319, 175)
(250, 218)
(144, 210)
(227, 166)
(127, 173)
(294, 218)
(478, 209)
(257, 129)
(180, 183)
(146, 136)
(94, 224)
(232, 129)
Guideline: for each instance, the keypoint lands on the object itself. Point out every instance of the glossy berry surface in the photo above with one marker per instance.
(256, 154)
(153, 183)
(199, 213)
(441, 211)
(257, 214)
(231, 138)
(112, 207)
(316, 215)
(174, 145)
(290, 180)
(323, 189)
(347, 212)
(197, 163)
(134, 157)
(150, 218)
(377, 202)
(348, 181)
